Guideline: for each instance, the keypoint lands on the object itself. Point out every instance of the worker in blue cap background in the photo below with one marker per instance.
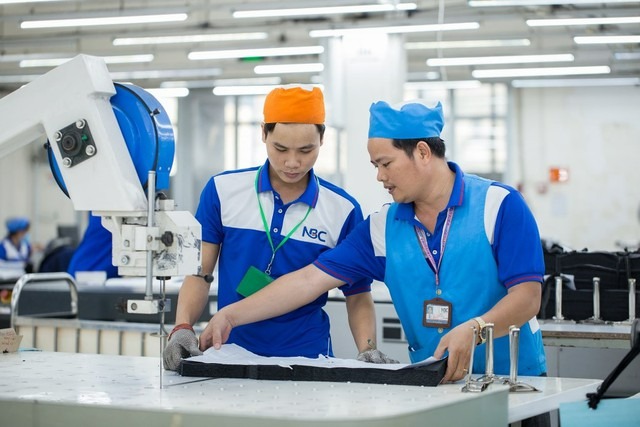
(15, 250)
(456, 251)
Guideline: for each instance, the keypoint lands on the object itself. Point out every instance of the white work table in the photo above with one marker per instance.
(51, 389)
(553, 392)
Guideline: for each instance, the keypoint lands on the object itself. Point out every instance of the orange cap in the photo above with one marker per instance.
(294, 105)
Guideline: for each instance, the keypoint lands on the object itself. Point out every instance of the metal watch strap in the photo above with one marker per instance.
(482, 325)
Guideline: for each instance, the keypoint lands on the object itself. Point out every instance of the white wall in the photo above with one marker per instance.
(595, 134)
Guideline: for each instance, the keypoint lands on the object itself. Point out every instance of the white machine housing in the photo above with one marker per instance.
(106, 183)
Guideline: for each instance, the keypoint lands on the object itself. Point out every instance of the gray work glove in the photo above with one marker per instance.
(375, 356)
(183, 343)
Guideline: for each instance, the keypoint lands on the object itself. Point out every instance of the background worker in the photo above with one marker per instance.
(15, 249)
(263, 222)
(467, 247)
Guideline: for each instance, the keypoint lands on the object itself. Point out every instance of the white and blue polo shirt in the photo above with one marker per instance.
(493, 245)
(230, 217)
(14, 258)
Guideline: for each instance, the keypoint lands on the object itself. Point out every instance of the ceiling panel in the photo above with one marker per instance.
(206, 17)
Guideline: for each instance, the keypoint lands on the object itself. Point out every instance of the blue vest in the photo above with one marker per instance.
(468, 280)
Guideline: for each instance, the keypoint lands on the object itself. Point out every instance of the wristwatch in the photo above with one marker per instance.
(482, 333)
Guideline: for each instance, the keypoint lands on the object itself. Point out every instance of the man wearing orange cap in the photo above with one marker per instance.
(263, 222)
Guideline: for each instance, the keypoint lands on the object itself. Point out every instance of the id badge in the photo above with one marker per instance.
(253, 281)
(437, 313)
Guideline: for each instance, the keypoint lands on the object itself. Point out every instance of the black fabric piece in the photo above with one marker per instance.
(430, 375)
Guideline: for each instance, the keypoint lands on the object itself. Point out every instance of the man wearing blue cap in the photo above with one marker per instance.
(15, 250)
(455, 250)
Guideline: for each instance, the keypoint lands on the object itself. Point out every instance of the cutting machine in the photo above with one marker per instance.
(106, 144)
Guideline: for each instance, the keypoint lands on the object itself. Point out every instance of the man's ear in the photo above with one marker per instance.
(423, 150)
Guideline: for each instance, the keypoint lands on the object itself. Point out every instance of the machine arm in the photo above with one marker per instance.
(95, 147)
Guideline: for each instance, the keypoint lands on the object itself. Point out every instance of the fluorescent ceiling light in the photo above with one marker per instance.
(492, 60)
(24, 1)
(192, 38)
(249, 81)
(530, 72)
(21, 56)
(22, 78)
(396, 29)
(247, 90)
(256, 53)
(54, 62)
(289, 68)
(107, 20)
(606, 39)
(455, 84)
(626, 56)
(532, 83)
(582, 21)
(462, 44)
(169, 92)
(199, 84)
(243, 90)
(422, 76)
(329, 10)
(166, 74)
(494, 3)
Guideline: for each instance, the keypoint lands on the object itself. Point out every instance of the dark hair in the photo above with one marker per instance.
(269, 127)
(409, 145)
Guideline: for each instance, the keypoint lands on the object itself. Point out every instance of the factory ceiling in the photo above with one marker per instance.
(209, 24)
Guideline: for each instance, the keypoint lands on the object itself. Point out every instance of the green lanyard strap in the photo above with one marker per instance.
(266, 227)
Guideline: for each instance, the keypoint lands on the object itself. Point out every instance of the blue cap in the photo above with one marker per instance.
(412, 120)
(17, 224)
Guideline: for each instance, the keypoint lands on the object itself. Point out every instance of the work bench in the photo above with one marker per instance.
(40, 388)
(106, 366)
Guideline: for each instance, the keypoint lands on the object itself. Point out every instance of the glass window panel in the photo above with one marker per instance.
(327, 163)
(480, 145)
(473, 101)
(251, 150)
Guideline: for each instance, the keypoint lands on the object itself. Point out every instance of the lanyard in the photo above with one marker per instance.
(424, 244)
(266, 226)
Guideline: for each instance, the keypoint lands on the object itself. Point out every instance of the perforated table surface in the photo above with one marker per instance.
(67, 389)
(48, 388)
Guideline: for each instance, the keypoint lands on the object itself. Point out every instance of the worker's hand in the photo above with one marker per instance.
(375, 356)
(183, 343)
(217, 331)
(458, 343)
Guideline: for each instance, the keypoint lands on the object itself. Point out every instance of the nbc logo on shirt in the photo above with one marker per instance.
(314, 234)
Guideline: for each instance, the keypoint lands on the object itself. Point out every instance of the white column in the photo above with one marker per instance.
(360, 70)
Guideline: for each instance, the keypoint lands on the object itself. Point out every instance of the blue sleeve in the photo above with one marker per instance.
(364, 284)
(516, 246)
(94, 253)
(208, 214)
(3, 252)
(353, 259)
